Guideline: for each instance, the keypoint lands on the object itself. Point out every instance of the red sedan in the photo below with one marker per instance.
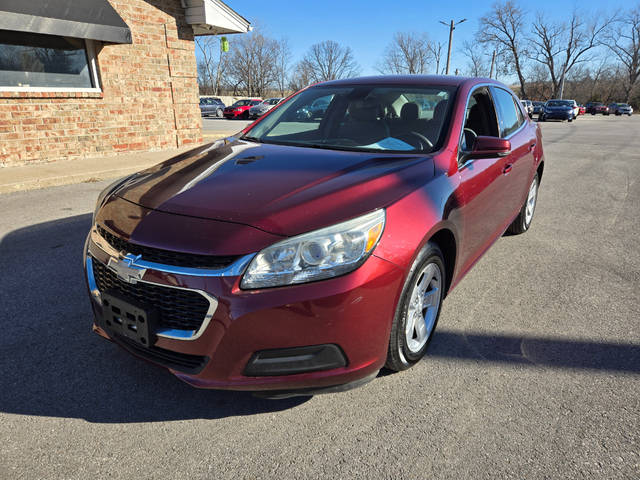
(240, 109)
(306, 253)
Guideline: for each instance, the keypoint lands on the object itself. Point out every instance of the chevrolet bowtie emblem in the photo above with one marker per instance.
(126, 269)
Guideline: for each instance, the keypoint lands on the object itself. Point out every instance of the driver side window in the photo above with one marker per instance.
(480, 118)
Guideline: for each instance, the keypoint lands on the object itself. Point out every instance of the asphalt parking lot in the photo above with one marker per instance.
(213, 125)
(534, 371)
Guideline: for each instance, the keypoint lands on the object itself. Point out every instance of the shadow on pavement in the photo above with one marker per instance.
(526, 350)
(53, 365)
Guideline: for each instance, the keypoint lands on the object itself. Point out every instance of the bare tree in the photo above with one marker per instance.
(212, 64)
(408, 53)
(252, 64)
(329, 60)
(503, 29)
(282, 59)
(477, 61)
(435, 48)
(300, 78)
(560, 46)
(624, 41)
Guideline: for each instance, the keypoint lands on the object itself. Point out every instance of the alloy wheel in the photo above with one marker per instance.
(423, 307)
(531, 202)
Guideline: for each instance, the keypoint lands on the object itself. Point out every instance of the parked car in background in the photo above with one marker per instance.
(537, 107)
(597, 107)
(620, 109)
(211, 106)
(300, 260)
(240, 109)
(319, 106)
(557, 110)
(582, 110)
(528, 106)
(262, 108)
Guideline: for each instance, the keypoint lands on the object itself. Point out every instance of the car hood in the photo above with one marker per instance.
(283, 190)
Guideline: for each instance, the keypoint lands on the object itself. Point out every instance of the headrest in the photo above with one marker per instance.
(364, 111)
(409, 111)
(440, 110)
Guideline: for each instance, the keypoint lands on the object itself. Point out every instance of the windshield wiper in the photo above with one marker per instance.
(252, 139)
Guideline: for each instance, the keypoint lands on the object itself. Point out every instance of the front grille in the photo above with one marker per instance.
(181, 362)
(167, 257)
(176, 308)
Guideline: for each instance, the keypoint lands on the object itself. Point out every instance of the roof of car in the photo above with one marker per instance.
(410, 80)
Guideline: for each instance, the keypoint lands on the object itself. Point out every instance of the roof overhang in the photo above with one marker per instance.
(213, 17)
(90, 19)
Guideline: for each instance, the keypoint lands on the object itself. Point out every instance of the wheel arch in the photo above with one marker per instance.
(446, 242)
(539, 171)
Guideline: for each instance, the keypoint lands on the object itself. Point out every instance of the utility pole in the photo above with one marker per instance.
(493, 62)
(452, 27)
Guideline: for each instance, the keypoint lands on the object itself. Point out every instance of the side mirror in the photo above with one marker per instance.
(486, 147)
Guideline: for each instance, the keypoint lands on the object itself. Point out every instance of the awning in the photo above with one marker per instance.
(90, 19)
(213, 17)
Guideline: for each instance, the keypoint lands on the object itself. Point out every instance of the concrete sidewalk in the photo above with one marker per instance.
(42, 175)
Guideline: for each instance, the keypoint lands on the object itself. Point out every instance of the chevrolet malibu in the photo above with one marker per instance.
(305, 254)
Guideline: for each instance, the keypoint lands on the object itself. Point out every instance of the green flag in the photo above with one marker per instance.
(224, 44)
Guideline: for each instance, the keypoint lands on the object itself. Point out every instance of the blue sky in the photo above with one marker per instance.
(367, 26)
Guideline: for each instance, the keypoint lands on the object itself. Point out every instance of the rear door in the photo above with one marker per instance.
(516, 127)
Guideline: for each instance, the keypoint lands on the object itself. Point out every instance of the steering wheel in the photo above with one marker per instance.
(469, 139)
(424, 141)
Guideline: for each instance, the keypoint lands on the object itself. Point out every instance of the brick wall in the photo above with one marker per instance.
(149, 98)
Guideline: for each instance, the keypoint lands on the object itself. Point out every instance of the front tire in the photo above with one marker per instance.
(523, 221)
(219, 113)
(418, 310)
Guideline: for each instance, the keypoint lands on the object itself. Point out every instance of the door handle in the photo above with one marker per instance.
(532, 145)
(507, 168)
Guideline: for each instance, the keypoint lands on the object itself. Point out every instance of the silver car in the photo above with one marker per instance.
(528, 106)
(262, 108)
(211, 106)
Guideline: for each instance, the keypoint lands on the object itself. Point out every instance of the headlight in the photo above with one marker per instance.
(317, 255)
(108, 191)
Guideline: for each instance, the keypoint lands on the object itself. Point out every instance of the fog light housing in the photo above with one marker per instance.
(289, 361)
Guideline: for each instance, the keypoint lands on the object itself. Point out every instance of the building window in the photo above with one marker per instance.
(31, 61)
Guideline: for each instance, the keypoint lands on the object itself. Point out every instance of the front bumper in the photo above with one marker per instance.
(558, 115)
(352, 313)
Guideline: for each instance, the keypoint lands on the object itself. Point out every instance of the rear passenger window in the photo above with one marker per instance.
(507, 112)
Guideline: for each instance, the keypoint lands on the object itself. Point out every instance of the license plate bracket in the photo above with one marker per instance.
(123, 318)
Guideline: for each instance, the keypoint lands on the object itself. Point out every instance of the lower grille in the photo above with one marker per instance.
(181, 362)
(176, 308)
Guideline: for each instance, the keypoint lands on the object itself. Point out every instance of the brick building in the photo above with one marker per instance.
(88, 78)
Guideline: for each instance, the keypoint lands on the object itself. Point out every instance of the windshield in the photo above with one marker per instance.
(362, 117)
(242, 103)
(272, 101)
(559, 103)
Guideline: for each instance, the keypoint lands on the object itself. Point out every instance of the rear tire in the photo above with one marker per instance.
(418, 310)
(523, 221)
